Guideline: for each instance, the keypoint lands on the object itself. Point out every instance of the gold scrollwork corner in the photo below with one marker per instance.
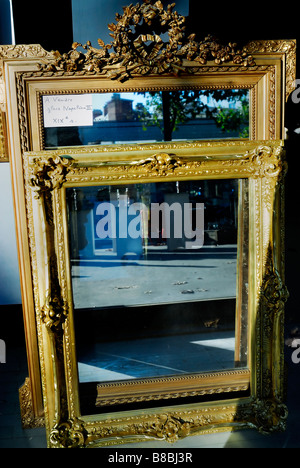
(12, 52)
(289, 48)
(270, 415)
(69, 434)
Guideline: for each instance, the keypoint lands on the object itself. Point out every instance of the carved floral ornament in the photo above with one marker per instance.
(266, 415)
(138, 47)
(50, 172)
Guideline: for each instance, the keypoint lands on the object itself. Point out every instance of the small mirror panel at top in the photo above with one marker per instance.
(144, 117)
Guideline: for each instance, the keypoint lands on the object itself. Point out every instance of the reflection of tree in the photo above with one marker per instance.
(235, 119)
(169, 109)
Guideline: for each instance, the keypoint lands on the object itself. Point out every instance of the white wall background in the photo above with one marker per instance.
(10, 292)
(9, 270)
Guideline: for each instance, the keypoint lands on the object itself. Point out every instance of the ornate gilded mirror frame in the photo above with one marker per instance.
(9, 53)
(144, 62)
(47, 176)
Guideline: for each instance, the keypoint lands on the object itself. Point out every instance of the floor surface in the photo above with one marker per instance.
(14, 372)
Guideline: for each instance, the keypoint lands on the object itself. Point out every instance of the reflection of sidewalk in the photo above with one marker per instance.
(158, 356)
(160, 276)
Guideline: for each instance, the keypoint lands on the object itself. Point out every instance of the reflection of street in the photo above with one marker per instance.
(160, 276)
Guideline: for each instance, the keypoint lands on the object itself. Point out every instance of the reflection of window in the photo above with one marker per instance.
(158, 116)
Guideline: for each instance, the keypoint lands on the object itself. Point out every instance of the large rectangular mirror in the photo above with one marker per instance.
(154, 269)
(154, 286)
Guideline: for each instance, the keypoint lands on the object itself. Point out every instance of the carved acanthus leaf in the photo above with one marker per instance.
(169, 428)
(274, 294)
(268, 161)
(47, 174)
(274, 290)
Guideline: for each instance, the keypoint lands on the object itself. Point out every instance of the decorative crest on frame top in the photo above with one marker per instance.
(139, 46)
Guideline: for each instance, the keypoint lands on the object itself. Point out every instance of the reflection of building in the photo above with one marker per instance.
(120, 122)
(118, 109)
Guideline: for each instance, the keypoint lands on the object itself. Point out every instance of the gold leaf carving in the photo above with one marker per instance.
(48, 174)
(268, 161)
(69, 434)
(3, 142)
(10, 52)
(162, 164)
(169, 428)
(274, 291)
(29, 421)
(54, 312)
(138, 47)
(270, 415)
(274, 294)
